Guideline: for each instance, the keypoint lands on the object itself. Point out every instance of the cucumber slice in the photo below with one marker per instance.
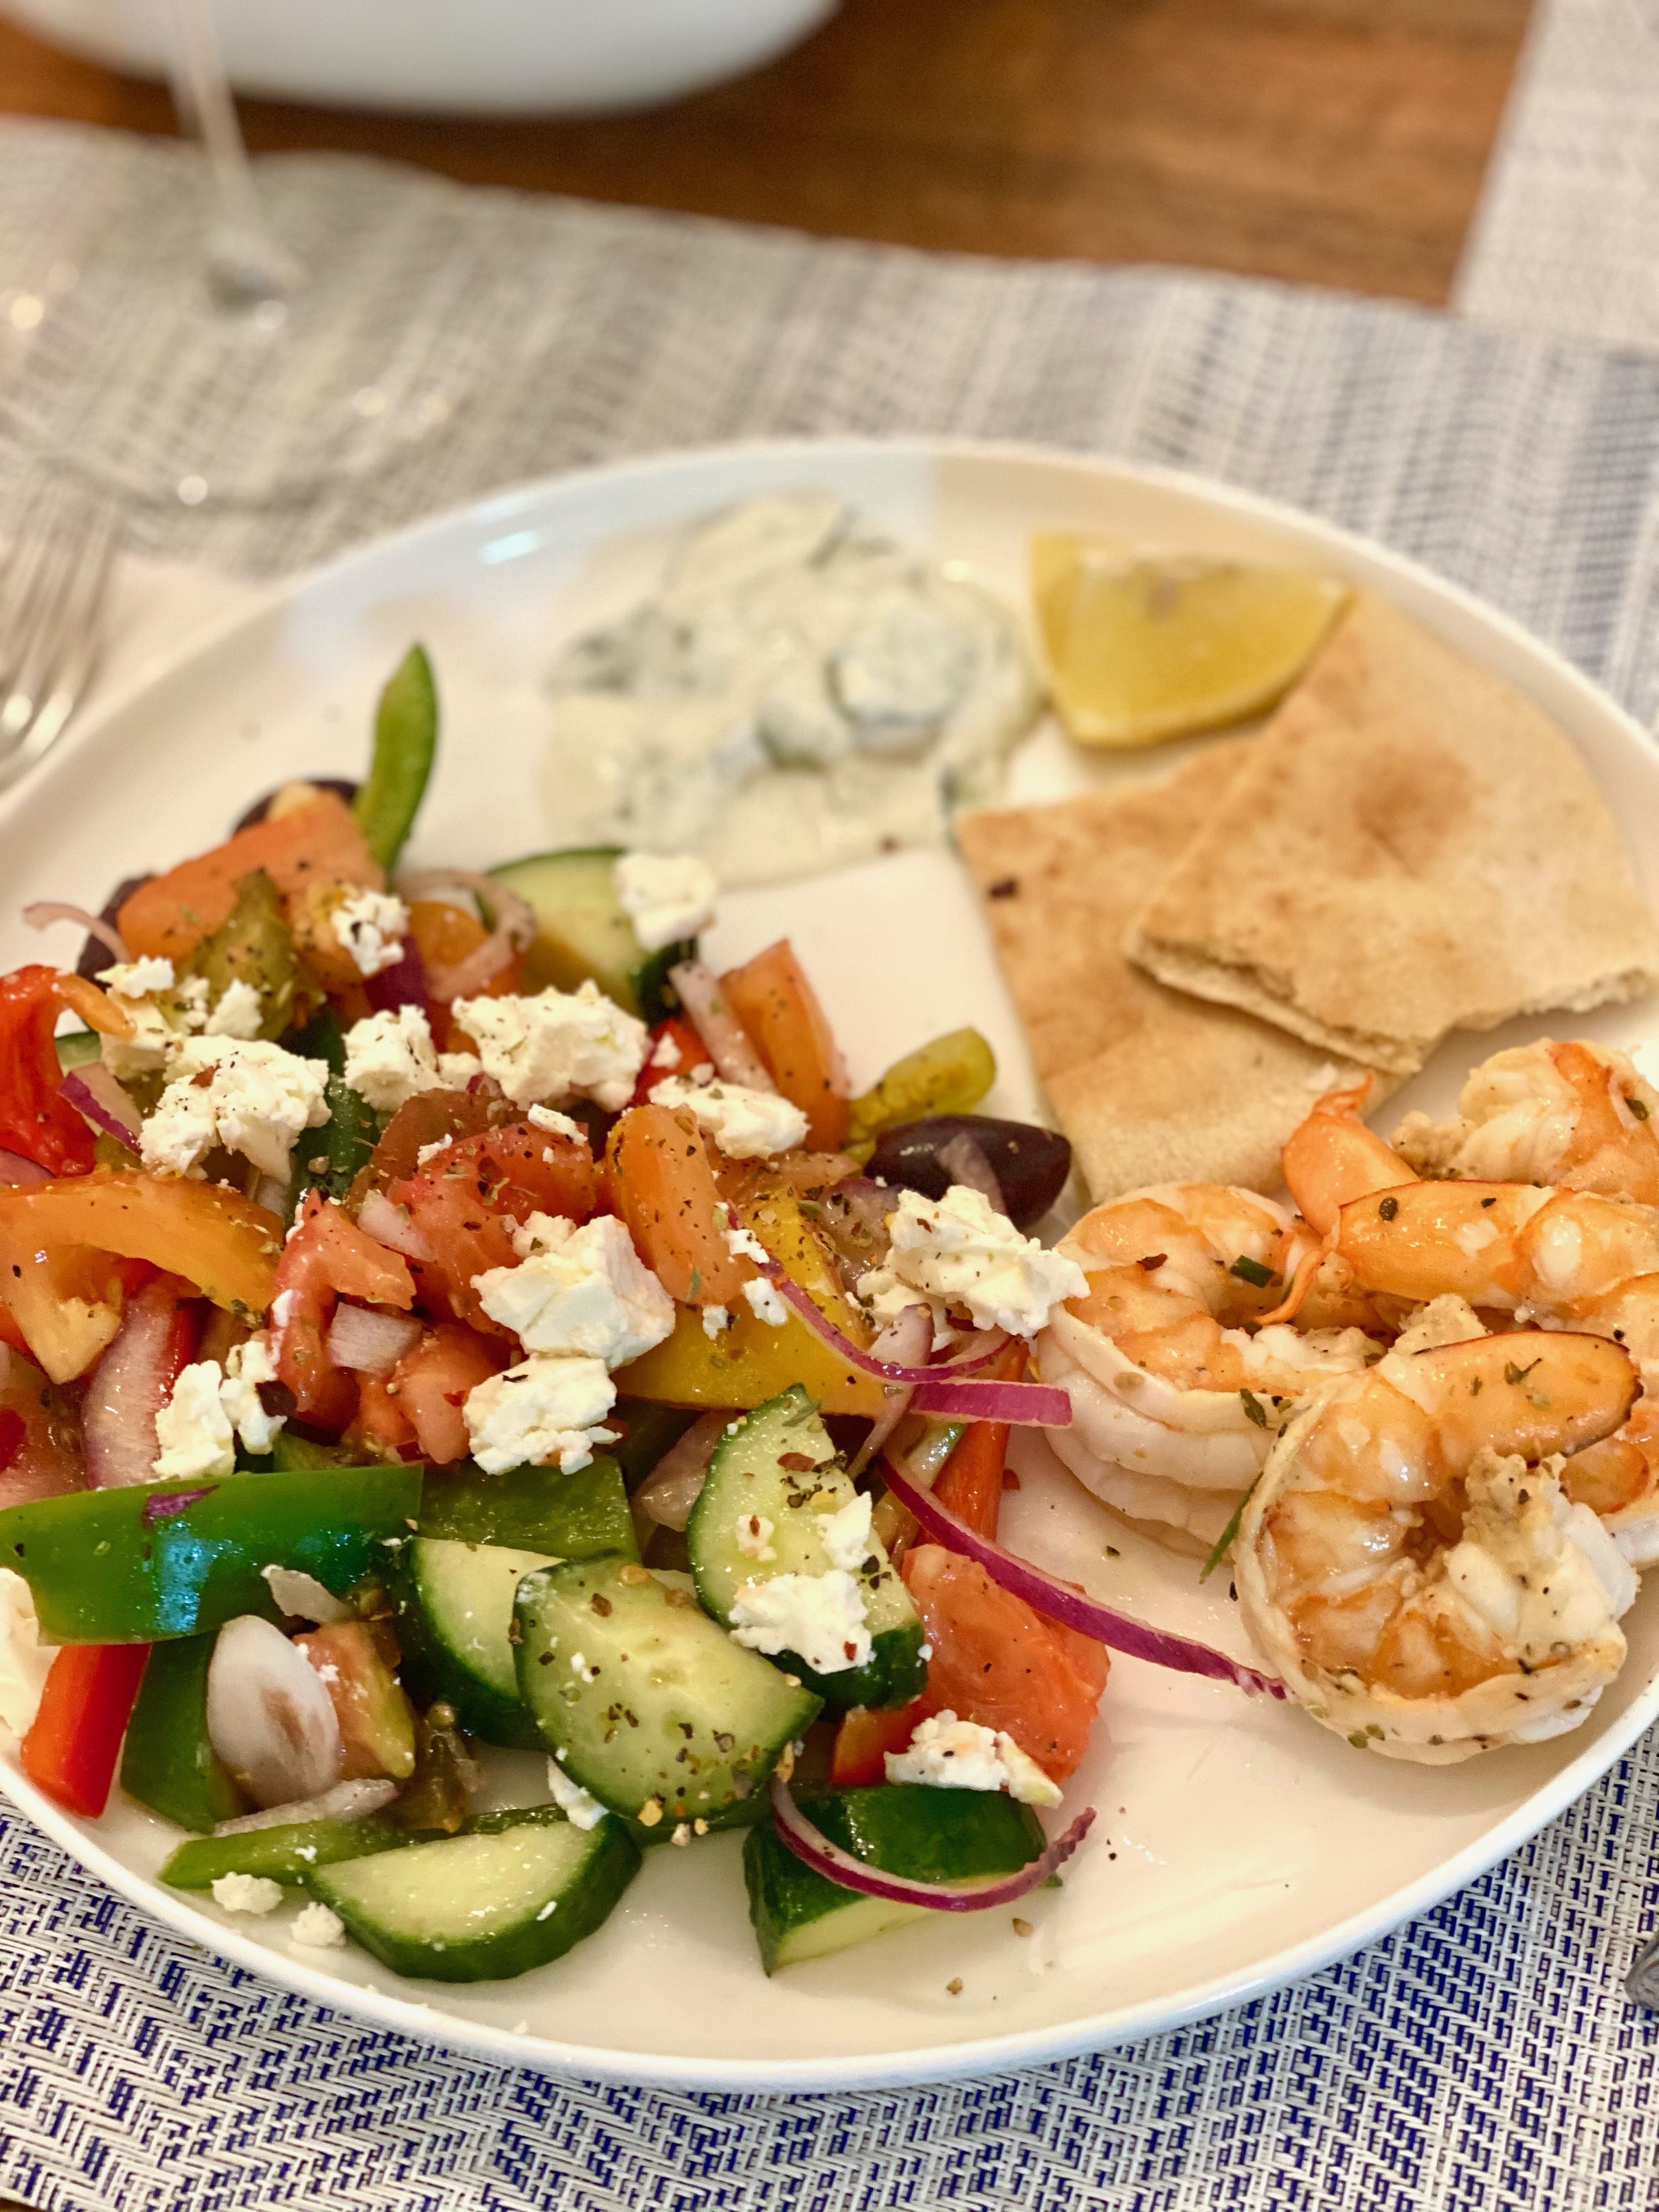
(925, 1835)
(76, 1047)
(747, 1477)
(664, 1710)
(454, 1605)
(533, 1508)
(510, 1891)
(285, 1854)
(582, 932)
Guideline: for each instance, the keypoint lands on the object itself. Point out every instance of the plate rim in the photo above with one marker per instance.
(425, 2021)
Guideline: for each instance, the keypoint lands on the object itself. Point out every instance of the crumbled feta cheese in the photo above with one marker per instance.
(743, 1245)
(667, 897)
(194, 1430)
(209, 1407)
(946, 1753)
(238, 1012)
(746, 1124)
(578, 1289)
(251, 1097)
(572, 1799)
(139, 978)
(845, 1534)
(246, 1366)
(557, 1125)
(390, 1058)
(558, 1044)
(755, 1533)
(247, 1892)
(24, 1661)
(544, 1409)
(370, 927)
(716, 1320)
(958, 1248)
(667, 1053)
(764, 1303)
(820, 1618)
(317, 1928)
(160, 1010)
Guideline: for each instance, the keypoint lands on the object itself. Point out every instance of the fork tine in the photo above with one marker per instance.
(51, 606)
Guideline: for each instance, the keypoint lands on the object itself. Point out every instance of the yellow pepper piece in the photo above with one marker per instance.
(949, 1076)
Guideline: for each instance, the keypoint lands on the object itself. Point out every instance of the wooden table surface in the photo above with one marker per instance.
(1325, 141)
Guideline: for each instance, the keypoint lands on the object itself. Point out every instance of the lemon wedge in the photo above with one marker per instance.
(1146, 646)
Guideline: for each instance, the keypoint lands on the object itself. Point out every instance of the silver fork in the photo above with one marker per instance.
(54, 590)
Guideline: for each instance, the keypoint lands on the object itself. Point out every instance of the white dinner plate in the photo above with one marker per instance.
(1238, 1845)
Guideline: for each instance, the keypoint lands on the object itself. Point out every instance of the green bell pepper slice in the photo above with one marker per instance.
(285, 1854)
(168, 1762)
(155, 1560)
(405, 745)
(583, 1515)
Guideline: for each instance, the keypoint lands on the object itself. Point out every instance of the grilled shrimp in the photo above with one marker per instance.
(1575, 1115)
(1176, 1397)
(1558, 1258)
(1411, 1562)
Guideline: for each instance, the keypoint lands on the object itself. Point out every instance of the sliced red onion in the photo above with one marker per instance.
(269, 1715)
(726, 1042)
(405, 983)
(367, 1342)
(303, 1597)
(814, 1849)
(903, 1341)
(513, 927)
(167, 1502)
(41, 914)
(675, 1484)
(128, 1387)
(18, 1174)
(346, 1800)
(390, 1226)
(944, 1390)
(94, 1092)
(1119, 1631)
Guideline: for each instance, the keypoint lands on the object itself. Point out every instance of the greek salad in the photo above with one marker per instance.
(441, 1315)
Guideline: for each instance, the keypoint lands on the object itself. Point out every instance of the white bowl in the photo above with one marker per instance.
(458, 57)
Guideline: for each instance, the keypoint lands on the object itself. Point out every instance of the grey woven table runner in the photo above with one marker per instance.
(1483, 2058)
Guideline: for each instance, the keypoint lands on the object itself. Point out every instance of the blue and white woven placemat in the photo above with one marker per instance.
(1483, 2060)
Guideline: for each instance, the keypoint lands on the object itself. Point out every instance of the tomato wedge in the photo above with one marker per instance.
(664, 1187)
(312, 850)
(773, 1000)
(432, 1382)
(466, 1199)
(686, 1051)
(327, 1257)
(75, 1738)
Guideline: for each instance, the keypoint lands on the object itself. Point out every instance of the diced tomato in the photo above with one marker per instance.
(307, 852)
(377, 1723)
(430, 1386)
(465, 1201)
(689, 1048)
(665, 1190)
(998, 1661)
(865, 1735)
(35, 1118)
(431, 1117)
(75, 1738)
(325, 1258)
(773, 1000)
(381, 1429)
(972, 1480)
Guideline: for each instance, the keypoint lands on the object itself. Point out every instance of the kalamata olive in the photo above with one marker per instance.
(261, 807)
(95, 955)
(1030, 1165)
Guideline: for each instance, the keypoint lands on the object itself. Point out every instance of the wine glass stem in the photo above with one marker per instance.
(245, 263)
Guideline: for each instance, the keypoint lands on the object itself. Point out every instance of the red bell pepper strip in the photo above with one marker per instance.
(673, 1030)
(74, 1741)
(35, 1119)
(972, 1480)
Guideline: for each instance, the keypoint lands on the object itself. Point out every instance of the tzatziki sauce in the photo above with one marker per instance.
(801, 692)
